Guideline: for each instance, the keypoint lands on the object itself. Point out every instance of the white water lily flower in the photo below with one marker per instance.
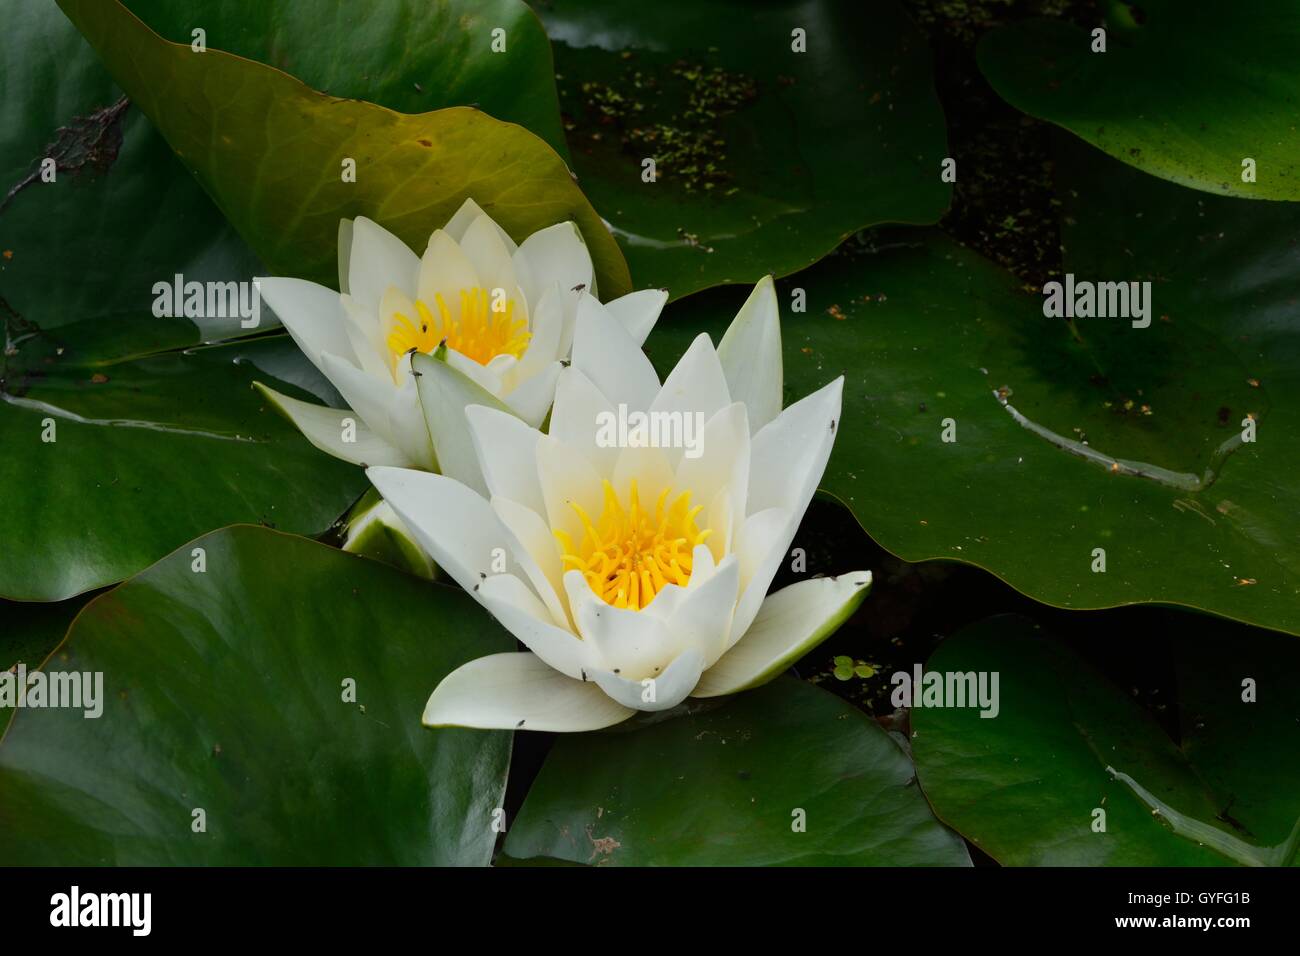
(636, 576)
(505, 311)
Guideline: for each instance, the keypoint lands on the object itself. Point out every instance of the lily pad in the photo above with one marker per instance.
(1091, 464)
(1236, 745)
(286, 163)
(766, 157)
(1071, 771)
(227, 692)
(1184, 91)
(787, 774)
(110, 465)
(120, 214)
(412, 56)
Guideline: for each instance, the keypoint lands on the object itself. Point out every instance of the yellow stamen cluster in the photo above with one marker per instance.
(632, 553)
(478, 331)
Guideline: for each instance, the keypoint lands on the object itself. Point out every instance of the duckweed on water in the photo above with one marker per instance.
(688, 146)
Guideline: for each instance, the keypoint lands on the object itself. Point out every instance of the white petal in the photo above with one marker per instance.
(538, 555)
(569, 306)
(722, 462)
(465, 216)
(789, 454)
(568, 479)
(506, 449)
(392, 303)
(481, 375)
(503, 365)
(555, 254)
(519, 692)
(725, 522)
(312, 313)
(668, 689)
(531, 399)
(759, 535)
(367, 338)
(703, 564)
(695, 386)
(638, 312)
(393, 413)
(325, 427)
(649, 468)
(703, 617)
(445, 269)
(369, 396)
(672, 596)
(606, 354)
(483, 245)
(523, 615)
(760, 546)
(445, 393)
(576, 418)
(627, 642)
(409, 428)
(456, 526)
(790, 623)
(379, 259)
(750, 353)
(666, 602)
(545, 323)
(462, 534)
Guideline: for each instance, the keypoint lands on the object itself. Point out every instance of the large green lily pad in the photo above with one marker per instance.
(224, 691)
(729, 785)
(274, 154)
(146, 454)
(1069, 752)
(412, 56)
(1185, 91)
(122, 212)
(765, 158)
(935, 339)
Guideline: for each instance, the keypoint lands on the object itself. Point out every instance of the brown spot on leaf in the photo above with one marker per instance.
(88, 141)
(602, 847)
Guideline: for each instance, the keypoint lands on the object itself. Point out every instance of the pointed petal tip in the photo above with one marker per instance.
(380, 475)
(857, 578)
(764, 291)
